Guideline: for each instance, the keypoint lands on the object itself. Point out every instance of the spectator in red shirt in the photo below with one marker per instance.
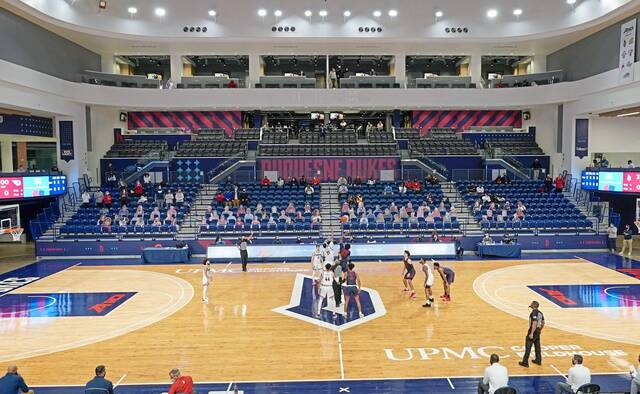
(266, 182)
(181, 384)
(559, 183)
(107, 199)
(138, 190)
(219, 198)
(315, 181)
(232, 84)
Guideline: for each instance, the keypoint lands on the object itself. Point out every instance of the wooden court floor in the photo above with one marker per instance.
(238, 337)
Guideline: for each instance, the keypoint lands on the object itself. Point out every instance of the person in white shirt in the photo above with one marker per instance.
(207, 273)
(495, 376)
(630, 164)
(480, 189)
(635, 378)
(179, 198)
(578, 376)
(326, 288)
(168, 198)
(317, 257)
(86, 197)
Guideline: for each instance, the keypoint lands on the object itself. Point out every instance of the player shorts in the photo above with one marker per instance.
(450, 277)
(351, 290)
(326, 291)
(410, 274)
(429, 282)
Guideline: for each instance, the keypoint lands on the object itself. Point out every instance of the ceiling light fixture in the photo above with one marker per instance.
(571, 2)
(277, 13)
(628, 114)
(212, 13)
(161, 12)
(377, 13)
(347, 13)
(323, 13)
(262, 12)
(308, 13)
(132, 10)
(393, 13)
(439, 14)
(517, 12)
(492, 13)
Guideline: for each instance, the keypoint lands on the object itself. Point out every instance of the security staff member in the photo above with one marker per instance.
(536, 324)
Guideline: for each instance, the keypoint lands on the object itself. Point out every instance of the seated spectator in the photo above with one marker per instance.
(630, 164)
(435, 238)
(122, 221)
(219, 198)
(12, 382)
(86, 198)
(357, 181)
(380, 218)
(315, 217)
(486, 198)
(343, 190)
(248, 216)
(315, 181)
(506, 239)
(420, 211)
(302, 181)
(98, 197)
(349, 181)
(99, 385)
(293, 182)
(487, 240)
(499, 180)
(180, 384)
(370, 182)
(123, 211)
(345, 207)
(243, 197)
(155, 213)
(179, 198)
(363, 220)
(396, 219)
(472, 188)
(291, 209)
(578, 376)
(308, 192)
(222, 222)
(138, 189)
(168, 198)
(280, 182)
(361, 209)
(413, 219)
(409, 207)
(342, 181)
(393, 207)
(143, 199)
(495, 376)
(139, 210)
(359, 199)
(271, 220)
(429, 219)
(480, 189)
(146, 178)
(402, 189)
(266, 182)
(106, 225)
(228, 197)
(388, 190)
(255, 222)
(436, 213)
(559, 184)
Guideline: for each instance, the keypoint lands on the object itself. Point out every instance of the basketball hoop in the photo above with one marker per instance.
(16, 233)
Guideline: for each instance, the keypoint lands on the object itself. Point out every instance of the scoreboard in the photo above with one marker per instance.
(19, 187)
(611, 181)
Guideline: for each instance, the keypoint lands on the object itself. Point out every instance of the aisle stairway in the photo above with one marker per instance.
(598, 226)
(467, 222)
(329, 210)
(202, 201)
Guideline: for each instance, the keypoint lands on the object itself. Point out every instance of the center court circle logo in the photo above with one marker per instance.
(303, 299)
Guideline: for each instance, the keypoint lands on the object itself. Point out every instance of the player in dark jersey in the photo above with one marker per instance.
(352, 289)
(448, 277)
(408, 273)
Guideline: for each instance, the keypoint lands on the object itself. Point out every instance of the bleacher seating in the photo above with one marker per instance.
(380, 137)
(278, 197)
(275, 137)
(441, 147)
(136, 148)
(330, 137)
(206, 148)
(211, 134)
(246, 134)
(514, 146)
(375, 199)
(544, 211)
(84, 223)
(407, 134)
(329, 150)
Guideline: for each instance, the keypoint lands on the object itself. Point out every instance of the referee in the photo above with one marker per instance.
(536, 324)
(244, 254)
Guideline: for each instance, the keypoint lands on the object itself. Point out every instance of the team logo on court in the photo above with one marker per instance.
(591, 295)
(304, 306)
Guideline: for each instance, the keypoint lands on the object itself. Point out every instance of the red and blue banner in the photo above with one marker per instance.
(188, 120)
(461, 120)
(329, 168)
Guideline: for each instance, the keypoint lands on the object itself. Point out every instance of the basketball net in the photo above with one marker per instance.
(16, 233)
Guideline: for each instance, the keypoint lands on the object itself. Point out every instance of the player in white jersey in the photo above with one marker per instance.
(428, 282)
(207, 274)
(325, 288)
(329, 252)
(317, 258)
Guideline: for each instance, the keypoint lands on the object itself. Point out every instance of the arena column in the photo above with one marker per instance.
(74, 168)
(176, 69)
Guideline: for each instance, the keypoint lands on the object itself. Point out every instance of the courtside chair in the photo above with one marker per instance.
(506, 390)
(589, 388)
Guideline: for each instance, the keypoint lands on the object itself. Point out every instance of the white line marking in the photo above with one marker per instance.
(227, 266)
(450, 384)
(340, 352)
(557, 370)
(119, 380)
(229, 387)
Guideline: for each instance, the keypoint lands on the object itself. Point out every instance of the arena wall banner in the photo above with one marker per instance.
(627, 51)
(65, 130)
(582, 138)
(328, 168)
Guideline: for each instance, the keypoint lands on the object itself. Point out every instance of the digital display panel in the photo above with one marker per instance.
(610, 181)
(590, 180)
(631, 182)
(32, 186)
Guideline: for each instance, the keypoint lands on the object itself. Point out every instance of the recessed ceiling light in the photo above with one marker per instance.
(571, 1)
(377, 13)
(347, 13)
(262, 12)
(439, 14)
(308, 13)
(132, 10)
(492, 13)
(161, 12)
(277, 13)
(517, 12)
(393, 13)
(212, 13)
(323, 13)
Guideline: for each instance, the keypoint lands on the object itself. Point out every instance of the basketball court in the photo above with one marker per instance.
(258, 331)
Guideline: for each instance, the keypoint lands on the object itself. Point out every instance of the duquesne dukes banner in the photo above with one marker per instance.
(188, 120)
(425, 120)
(329, 168)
